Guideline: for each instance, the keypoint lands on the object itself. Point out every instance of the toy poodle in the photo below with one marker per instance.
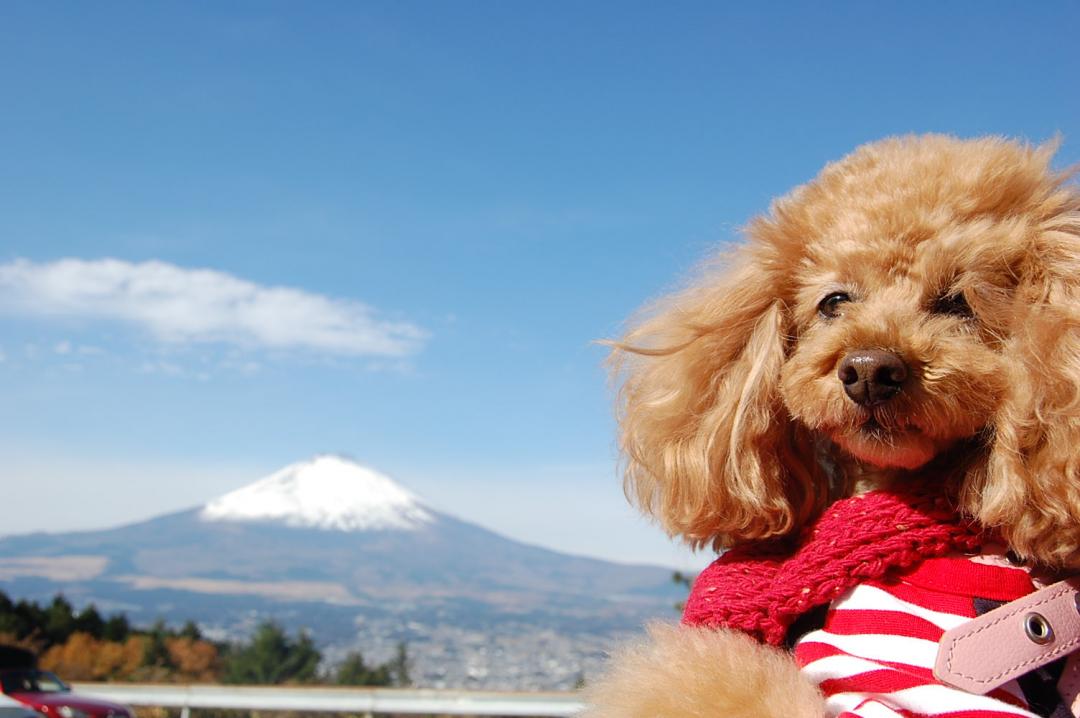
(871, 407)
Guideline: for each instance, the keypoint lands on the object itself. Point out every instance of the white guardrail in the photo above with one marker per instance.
(363, 701)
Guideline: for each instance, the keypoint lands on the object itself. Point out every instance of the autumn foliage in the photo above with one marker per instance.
(84, 646)
(85, 658)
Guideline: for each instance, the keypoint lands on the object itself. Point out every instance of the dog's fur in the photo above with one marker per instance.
(960, 257)
(701, 673)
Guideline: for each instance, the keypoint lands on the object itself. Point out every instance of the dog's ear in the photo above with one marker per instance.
(709, 448)
(1029, 487)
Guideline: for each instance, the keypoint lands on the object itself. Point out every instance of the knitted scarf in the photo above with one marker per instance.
(763, 588)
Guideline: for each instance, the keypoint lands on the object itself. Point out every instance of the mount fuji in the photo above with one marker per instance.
(328, 492)
(341, 550)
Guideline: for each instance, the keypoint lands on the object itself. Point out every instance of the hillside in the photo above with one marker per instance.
(333, 546)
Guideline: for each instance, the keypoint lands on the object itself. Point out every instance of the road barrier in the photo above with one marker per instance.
(363, 701)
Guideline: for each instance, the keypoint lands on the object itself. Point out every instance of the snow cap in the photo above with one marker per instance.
(327, 492)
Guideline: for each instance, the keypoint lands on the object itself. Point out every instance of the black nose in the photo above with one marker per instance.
(872, 376)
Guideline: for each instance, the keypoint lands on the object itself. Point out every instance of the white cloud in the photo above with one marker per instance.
(180, 305)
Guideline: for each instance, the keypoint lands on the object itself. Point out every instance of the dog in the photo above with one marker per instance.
(897, 339)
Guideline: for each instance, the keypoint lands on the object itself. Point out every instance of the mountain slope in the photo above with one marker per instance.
(330, 531)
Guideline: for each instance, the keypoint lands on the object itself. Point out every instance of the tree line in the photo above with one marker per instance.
(82, 645)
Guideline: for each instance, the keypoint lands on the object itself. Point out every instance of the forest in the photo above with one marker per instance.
(84, 645)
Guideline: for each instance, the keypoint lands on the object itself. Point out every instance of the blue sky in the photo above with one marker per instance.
(461, 197)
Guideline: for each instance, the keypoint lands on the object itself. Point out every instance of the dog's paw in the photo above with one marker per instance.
(682, 672)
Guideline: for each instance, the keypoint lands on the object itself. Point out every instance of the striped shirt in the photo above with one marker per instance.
(874, 657)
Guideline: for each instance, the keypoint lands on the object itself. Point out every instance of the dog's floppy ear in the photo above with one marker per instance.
(708, 443)
(1029, 488)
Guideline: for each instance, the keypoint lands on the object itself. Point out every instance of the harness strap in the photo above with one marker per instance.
(1014, 639)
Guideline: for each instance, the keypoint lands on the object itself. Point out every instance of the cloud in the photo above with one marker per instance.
(182, 306)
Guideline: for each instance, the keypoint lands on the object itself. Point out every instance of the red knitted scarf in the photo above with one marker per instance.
(762, 588)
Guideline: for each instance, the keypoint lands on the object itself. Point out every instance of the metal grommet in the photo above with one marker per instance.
(1038, 629)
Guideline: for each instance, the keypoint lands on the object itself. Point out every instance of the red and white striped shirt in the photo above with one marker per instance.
(874, 657)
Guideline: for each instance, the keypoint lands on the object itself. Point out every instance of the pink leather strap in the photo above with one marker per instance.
(1012, 640)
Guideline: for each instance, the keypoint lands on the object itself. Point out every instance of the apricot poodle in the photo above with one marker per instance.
(911, 314)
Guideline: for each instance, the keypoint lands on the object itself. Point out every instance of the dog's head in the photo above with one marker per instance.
(916, 307)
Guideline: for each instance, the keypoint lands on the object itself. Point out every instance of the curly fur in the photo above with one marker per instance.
(960, 257)
(733, 422)
(688, 672)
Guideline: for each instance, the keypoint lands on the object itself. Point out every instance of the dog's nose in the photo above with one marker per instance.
(872, 376)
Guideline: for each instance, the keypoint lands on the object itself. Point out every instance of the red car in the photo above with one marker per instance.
(51, 697)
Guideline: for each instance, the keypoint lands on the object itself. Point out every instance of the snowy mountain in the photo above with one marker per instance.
(327, 492)
(344, 551)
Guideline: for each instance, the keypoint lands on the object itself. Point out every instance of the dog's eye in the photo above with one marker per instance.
(953, 304)
(829, 307)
